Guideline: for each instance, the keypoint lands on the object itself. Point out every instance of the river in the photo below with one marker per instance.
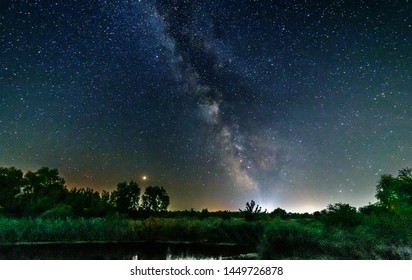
(121, 251)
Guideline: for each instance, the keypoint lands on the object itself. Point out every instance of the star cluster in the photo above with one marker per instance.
(295, 104)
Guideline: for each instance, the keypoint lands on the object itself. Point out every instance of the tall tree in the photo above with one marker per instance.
(394, 192)
(126, 197)
(45, 190)
(11, 180)
(155, 199)
(46, 181)
(87, 203)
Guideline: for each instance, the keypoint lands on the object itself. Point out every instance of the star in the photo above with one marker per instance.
(278, 103)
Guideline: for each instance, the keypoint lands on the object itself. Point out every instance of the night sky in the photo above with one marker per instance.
(295, 104)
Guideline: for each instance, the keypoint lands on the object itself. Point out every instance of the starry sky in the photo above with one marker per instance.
(295, 104)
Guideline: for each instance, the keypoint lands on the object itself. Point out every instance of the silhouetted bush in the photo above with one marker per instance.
(341, 215)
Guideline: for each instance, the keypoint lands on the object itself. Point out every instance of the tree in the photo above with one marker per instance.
(155, 199)
(395, 192)
(204, 213)
(105, 197)
(46, 182)
(386, 191)
(11, 180)
(341, 214)
(371, 209)
(44, 190)
(251, 211)
(280, 213)
(87, 203)
(126, 197)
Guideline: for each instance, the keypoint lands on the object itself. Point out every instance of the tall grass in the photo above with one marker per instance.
(382, 237)
(291, 239)
(57, 230)
(211, 230)
(377, 237)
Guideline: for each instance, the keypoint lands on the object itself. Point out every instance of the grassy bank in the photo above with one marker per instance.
(213, 230)
(374, 238)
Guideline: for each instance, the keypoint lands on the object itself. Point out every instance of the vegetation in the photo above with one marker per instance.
(37, 207)
(43, 193)
(341, 215)
(378, 237)
(395, 193)
(251, 211)
(155, 199)
(126, 197)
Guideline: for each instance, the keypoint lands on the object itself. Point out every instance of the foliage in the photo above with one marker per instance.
(43, 190)
(51, 212)
(87, 203)
(11, 180)
(371, 209)
(155, 199)
(58, 212)
(375, 238)
(68, 229)
(341, 214)
(378, 237)
(282, 239)
(279, 212)
(395, 192)
(45, 181)
(126, 197)
(211, 230)
(251, 211)
(44, 193)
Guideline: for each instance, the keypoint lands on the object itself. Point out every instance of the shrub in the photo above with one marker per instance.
(289, 239)
(58, 212)
(341, 215)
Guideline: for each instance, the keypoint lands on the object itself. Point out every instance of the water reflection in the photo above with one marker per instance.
(120, 251)
(191, 257)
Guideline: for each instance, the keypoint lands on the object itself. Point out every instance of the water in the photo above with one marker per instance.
(121, 251)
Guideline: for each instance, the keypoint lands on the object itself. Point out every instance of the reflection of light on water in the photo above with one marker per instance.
(182, 256)
(189, 257)
(171, 256)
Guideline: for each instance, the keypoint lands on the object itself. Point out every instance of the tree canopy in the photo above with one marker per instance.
(395, 192)
(44, 193)
(126, 197)
(155, 199)
(11, 180)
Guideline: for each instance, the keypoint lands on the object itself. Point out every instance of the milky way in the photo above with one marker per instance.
(295, 104)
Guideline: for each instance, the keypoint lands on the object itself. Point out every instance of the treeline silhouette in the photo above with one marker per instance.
(38, 207)
(44, 193)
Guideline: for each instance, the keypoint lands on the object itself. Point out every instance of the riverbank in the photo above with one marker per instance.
(213, 230)
(119, 250)
(270, 238)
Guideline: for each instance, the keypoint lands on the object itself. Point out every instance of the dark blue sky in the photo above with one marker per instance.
(295, 104)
